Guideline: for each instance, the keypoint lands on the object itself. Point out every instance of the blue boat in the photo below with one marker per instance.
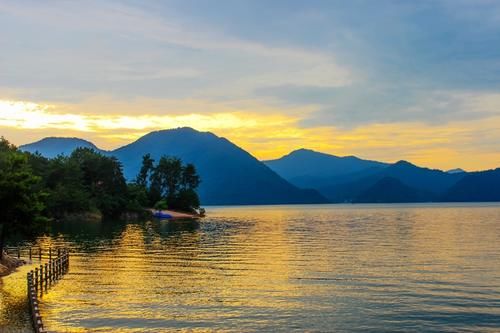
(161, 215)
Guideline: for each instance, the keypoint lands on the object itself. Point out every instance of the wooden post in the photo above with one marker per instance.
(50, 253)
(30, 253)
(58, 252)
(40, 253)
(41, 277)
(28, 285)
(46, 275)
(18, 252)
(36, 278)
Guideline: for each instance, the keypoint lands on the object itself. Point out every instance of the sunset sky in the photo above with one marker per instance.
(384, 80)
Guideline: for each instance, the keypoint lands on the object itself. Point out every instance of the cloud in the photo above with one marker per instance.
(366, 104)
(341, 77)
(127, 51)
(471, 144)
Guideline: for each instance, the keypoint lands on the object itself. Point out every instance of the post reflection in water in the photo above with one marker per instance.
(285, 268)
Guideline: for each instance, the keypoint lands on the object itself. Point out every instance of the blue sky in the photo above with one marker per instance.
(339, 76)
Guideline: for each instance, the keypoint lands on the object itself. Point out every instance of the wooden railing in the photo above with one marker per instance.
(39, 281)
(27, 252)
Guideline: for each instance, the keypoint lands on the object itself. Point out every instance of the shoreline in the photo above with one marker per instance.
(175, 214)
(8, 264)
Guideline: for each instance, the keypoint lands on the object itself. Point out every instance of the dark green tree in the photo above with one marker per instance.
(171, 183)
(186, 200)
(166, 176)
(104, 181)
(145, 172)
(190, 179)
(64, 185)
(137, 198)
(20, 194)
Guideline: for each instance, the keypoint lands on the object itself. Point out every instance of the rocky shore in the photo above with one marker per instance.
(8, 264)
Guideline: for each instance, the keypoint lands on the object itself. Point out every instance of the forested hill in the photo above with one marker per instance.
(229, 174)
(53, 146)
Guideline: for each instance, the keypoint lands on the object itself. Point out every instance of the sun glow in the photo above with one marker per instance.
(28, 115)
(266, 134)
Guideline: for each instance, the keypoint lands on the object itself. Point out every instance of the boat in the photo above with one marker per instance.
(161, 215)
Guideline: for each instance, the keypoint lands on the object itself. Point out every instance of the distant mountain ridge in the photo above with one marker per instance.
(229, 174)
(476, 186)
(309, 168)
(391, 190)
(52, 146)
(372, 181)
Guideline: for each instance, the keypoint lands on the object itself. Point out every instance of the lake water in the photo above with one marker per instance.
(325, 268)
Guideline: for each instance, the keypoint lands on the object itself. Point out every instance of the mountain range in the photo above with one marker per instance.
(350, 179)
(230, 175)
(53, 146)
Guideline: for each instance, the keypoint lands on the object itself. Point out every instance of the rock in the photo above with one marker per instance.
(4, 270)
(11, 262)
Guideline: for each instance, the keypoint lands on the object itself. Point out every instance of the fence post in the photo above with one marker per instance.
(40, 253)
(50, 253)
(36, 278)
(30, 253)
(46, 275)
(28, 285)
(41, 278)
(18, 252)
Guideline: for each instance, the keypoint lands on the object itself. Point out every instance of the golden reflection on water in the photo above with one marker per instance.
(286, 268)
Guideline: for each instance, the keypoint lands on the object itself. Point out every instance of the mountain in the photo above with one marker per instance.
(229, 174)
(391, 190)
(51, 147)
(310, 169)
(351, 179)
(432, 182)
(476, 186)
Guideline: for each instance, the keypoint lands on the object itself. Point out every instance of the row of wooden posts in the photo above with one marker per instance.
(32, 253)
(40, 279)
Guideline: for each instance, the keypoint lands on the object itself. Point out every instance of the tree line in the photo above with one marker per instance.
(35, 189)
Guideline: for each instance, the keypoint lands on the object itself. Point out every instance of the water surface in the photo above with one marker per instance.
(342, 268)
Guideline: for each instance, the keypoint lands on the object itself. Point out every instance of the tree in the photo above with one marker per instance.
(137, 198)
(20, 195)
(171, 183)
(146, 169)
(185, 200)
(64, 185)
(190, 179)
(103, 178)
(166, 176)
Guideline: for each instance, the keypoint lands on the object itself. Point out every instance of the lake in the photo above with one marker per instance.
(317, 268)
